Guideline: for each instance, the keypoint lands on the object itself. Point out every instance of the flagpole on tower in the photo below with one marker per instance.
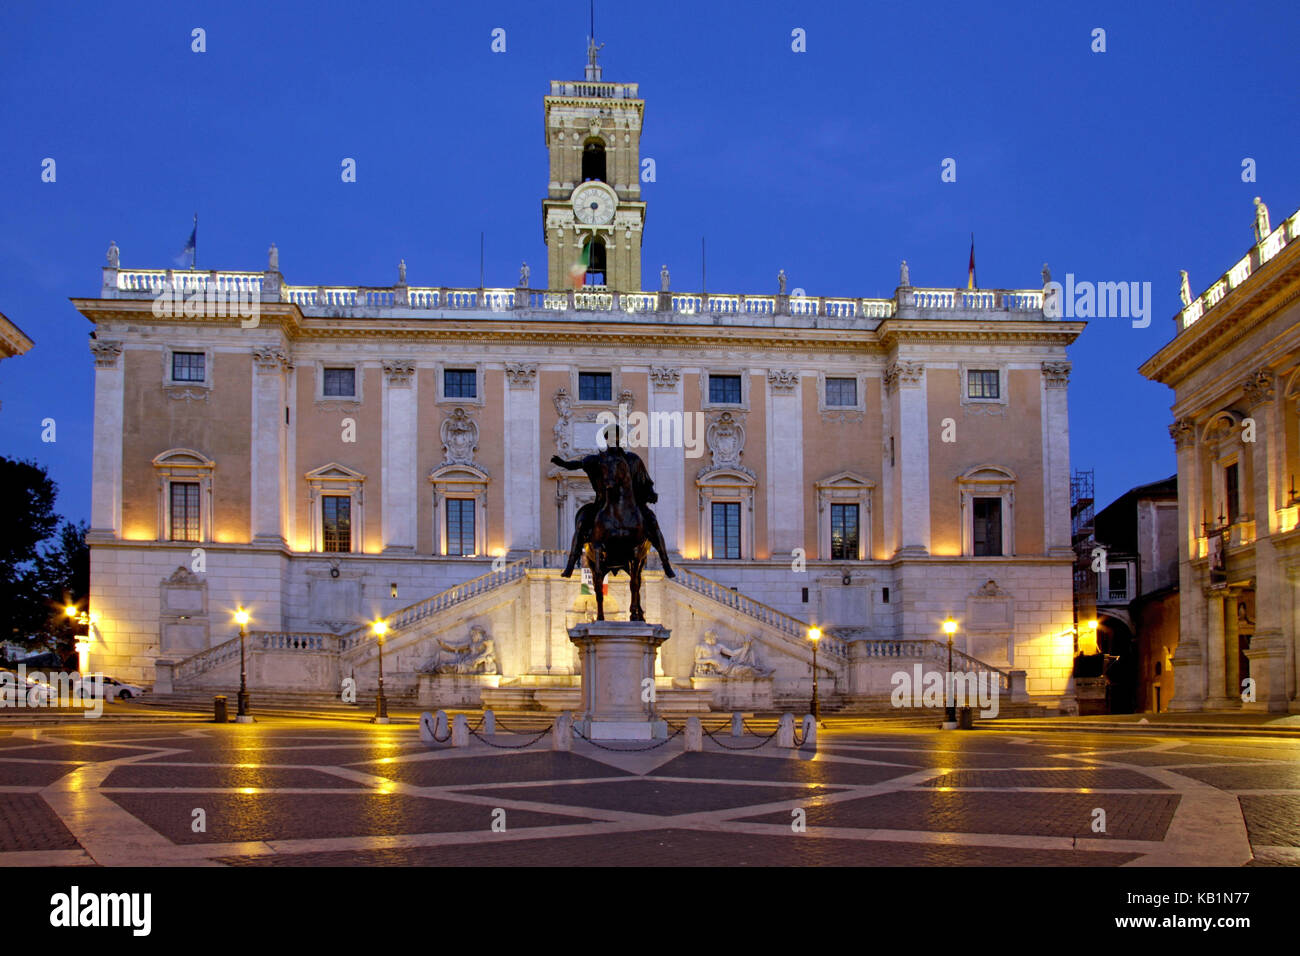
(194, 255)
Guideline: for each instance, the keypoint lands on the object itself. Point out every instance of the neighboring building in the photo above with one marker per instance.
(13, 341)
(1234, 366)
(1135, 588)
(870, 466)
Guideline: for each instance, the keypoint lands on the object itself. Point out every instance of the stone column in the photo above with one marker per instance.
(267, 467)
(1190, 685)
(1231, 651)
(1216, 642)
(912, 456)
(399, 479)
(668, 465)
(785, 491)
(1056, 459)
(106, 468)
(523, 478)
(1267, 652)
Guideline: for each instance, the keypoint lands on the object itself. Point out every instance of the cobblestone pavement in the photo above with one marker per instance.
(286, 792)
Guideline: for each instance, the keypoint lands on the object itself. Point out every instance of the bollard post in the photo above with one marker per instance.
(562, 732)
(694, 734)
(809, 732)
(489, 723)
(785, 731)
(737, 724)
(433, 728)
(459, 731)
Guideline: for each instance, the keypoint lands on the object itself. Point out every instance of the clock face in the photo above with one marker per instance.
(593, 204)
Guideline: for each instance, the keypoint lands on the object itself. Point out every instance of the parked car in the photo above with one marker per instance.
(37, 691)
(114, 689)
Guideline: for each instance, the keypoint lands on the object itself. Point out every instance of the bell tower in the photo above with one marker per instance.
(593, 215)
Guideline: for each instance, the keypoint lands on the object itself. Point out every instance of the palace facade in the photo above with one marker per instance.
(1234, 366)
(328, 455)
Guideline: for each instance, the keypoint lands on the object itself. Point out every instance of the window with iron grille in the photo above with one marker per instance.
(987, 532)
(185, 511)
(336, 522)
(460, 526)
(844, 532)
(1231, 485)
(340, 382)
(842, 392)
(188, 366)
(726, 529)
(1117, 583)
(724, 389)
(459, 383)
(982, 383)
(595, 386)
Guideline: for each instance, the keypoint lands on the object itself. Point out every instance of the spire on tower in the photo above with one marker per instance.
(593, 51)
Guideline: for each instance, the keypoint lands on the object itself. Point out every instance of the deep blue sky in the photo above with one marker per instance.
(1116, 166)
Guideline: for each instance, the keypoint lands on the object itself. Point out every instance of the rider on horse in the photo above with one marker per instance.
(643, 491)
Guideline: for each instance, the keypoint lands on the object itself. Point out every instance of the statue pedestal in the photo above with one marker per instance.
(737, 693)
(617, 656)
(440, 691)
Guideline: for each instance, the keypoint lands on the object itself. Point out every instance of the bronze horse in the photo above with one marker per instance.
(618, 538)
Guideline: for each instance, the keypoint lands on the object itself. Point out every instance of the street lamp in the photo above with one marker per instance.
(815, 635)
(380, 628)
(950, 714)
(82, 641)
(242, 716)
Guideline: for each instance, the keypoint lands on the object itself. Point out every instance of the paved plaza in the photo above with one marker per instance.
(293, 792)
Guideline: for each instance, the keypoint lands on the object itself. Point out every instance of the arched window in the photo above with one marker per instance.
(593, 160)
(595, 262)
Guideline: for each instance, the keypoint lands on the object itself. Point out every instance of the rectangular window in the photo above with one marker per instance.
(185, 510)
(1117, 584)
(724, 389)
(987, 533)
(982, 383)
(842, 392)
(459, 383)
(844, 532)
(188, 366)
(336, 522)
(460, 526)
(340, 382)
(726, 529)
(1231, 485)
(595, 386)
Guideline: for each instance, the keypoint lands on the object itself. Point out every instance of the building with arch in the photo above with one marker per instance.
(869, 466)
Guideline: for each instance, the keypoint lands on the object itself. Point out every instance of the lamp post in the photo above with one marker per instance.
(950, 714)
(243, 714)
(815, 635)
(380, 628)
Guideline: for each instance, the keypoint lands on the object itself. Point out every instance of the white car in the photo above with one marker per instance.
(114, 689)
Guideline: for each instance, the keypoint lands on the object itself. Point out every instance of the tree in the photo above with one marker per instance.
(27, 520)
(63, 576)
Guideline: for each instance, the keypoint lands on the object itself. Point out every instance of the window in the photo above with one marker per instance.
(188, 367)
(340, 382)
(595, 254)
(988, 526)
(726, 529)
(844, 532)
(460, 526)
(460, 383)
(842, 392)
(336, 522)
(185, 511)
(1117, 584)
(595, 387)
(593, 160)
(1231, 487)
(982, 383)
(724, 389)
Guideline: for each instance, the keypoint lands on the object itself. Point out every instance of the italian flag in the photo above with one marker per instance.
(588, 586)
(578, 271)
(970, 271)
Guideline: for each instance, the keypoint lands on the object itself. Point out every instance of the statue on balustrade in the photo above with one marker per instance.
(617, 530)
(715, 659)
(1262, 228)
(476, 657)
